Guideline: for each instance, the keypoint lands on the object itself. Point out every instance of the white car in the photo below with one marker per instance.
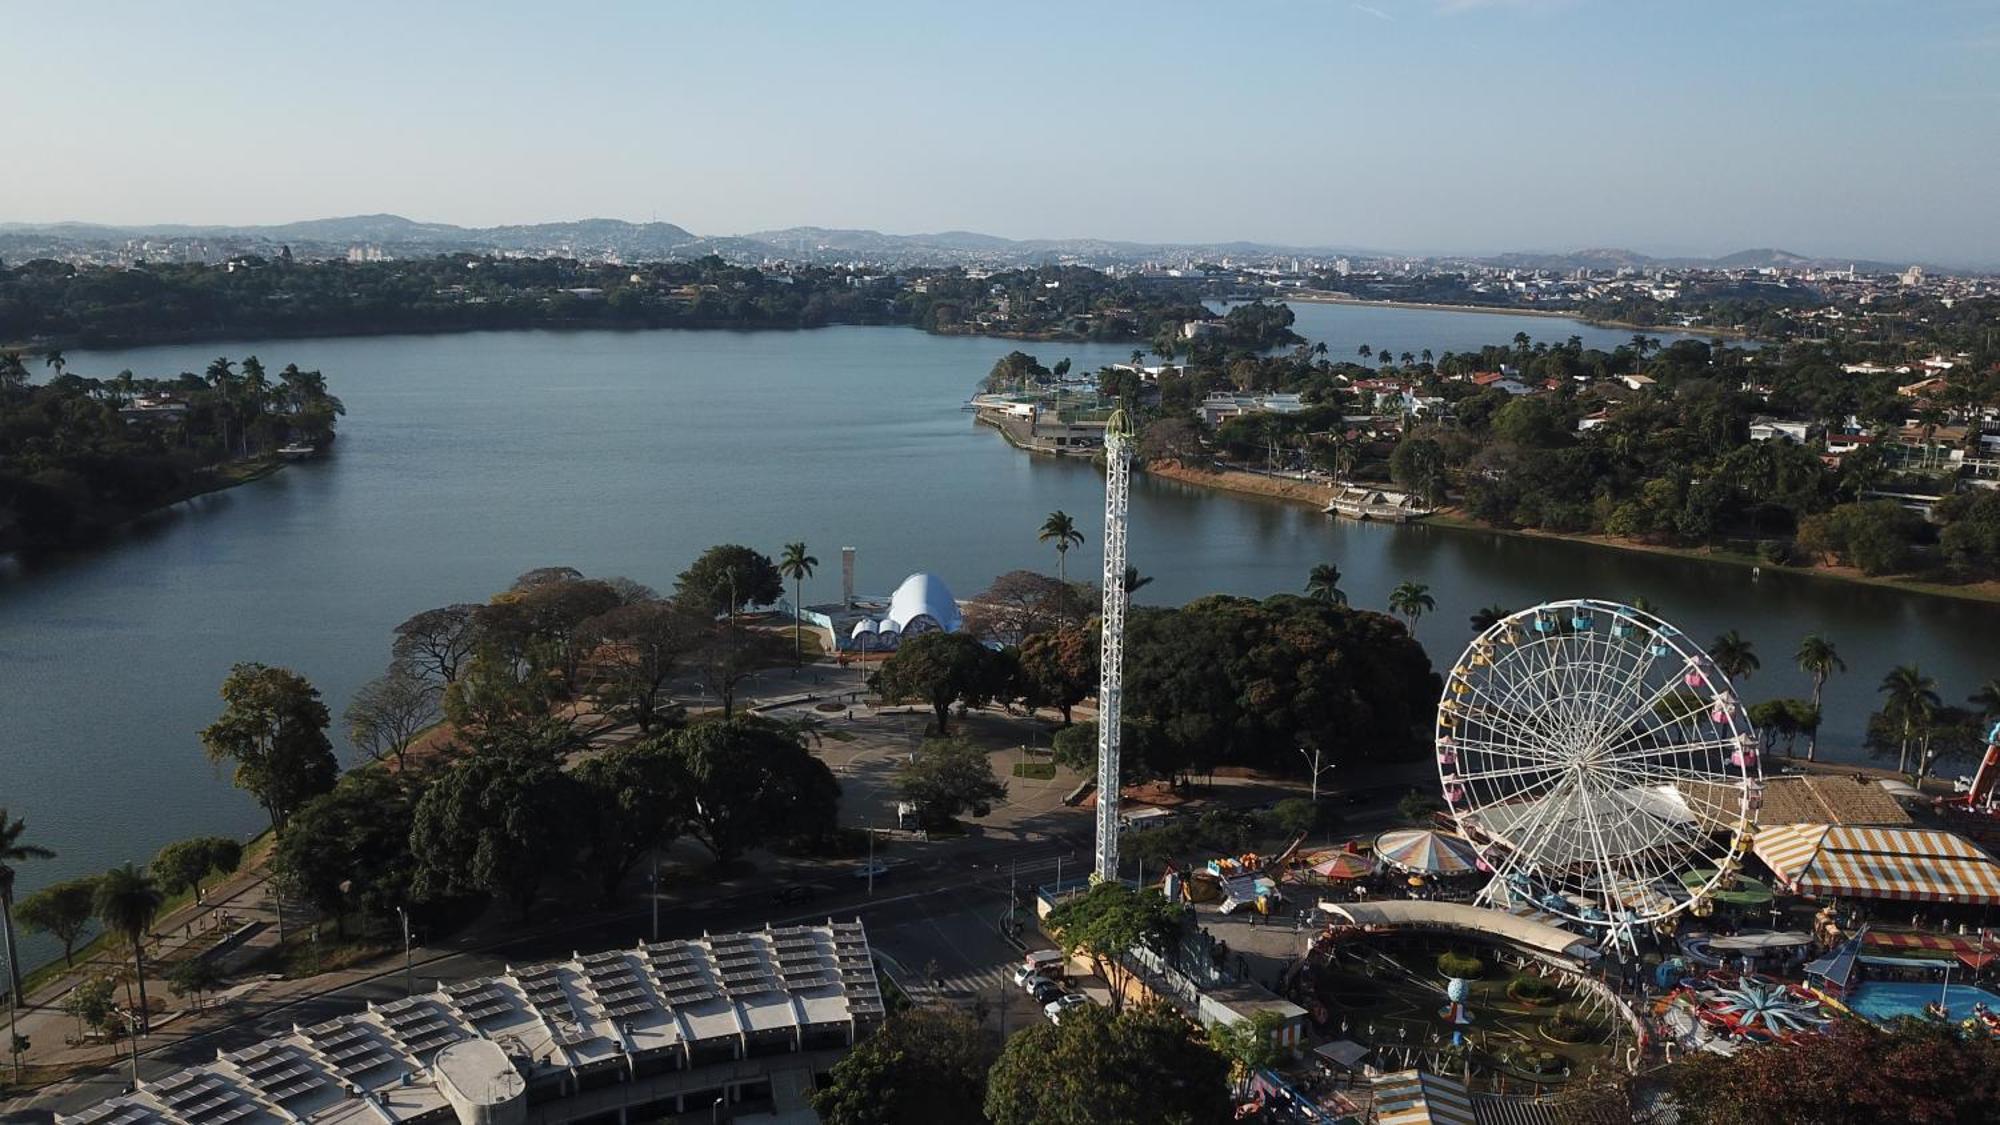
(1069, 1002)
(1021, 975)
(1033, 981)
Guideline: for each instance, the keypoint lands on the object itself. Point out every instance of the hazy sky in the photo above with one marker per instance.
(1839, 127)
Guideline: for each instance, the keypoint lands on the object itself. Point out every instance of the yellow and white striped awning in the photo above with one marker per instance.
(1413, 1097)
(1860, 862)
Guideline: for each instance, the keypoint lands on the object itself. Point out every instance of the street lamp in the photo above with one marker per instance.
(1312, 760)
(715, 1111)
(409, 981)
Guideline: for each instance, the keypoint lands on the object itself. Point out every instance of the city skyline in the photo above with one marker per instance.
(1851, 130)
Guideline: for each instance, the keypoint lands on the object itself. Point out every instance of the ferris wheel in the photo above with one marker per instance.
(1600, 762)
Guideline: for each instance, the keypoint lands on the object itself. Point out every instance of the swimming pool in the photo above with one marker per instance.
(1884, 1000)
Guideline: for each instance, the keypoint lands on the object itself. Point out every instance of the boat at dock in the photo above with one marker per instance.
(298, 451)
(1384, 505)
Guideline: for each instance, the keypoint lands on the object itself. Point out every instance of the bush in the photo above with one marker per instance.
(1532, 990)
(1462, 965)
(1566, 1026)
(1418, 806)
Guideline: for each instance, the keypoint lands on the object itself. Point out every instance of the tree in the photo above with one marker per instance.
(746, 781)
(946, 777)
(273, 726)
(194, 976)
(94, 1003)
(183, 865)
(1058, 669)
(1110, 921)
(1819, 659)
(1874, 536)
(388, 713)
(1134, 582)
(1733, 655)
(1061, 530)
(922, 1066)
(1412, 600)
(727, 654)
(941, 669)
(494, 824)
(126, 902)
(1020, 603)
(1912, 700)
(638, 647)
(637, 805)
(62, 910)
(728, 577)
(12, 851)
(438, 641)
(1099, 1068)
(1250, 1044)
(1295, 816)
(1488, 617)
(1915, 1071)
(1987, 699)
(1323, 585)
(1417, 463)
(348, 851)
(798, 566)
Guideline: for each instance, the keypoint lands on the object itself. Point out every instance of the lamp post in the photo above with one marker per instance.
(656, 894)
(1312, 760)
(409, 980)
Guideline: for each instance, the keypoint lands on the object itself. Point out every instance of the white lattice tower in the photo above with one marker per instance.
(1111, 665)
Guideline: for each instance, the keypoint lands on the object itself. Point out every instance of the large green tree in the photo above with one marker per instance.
(746, 781)
(1110, 921)
(183, 864)
(947, 777)
(637, 803)
(1147, 1066)
(348, 851)
(942, 669)
(498, 824)
(639, 646)
(62, 910)
(273, 726)
(728, 577)
(13, 850)
(924, 1066)
(1058, 668)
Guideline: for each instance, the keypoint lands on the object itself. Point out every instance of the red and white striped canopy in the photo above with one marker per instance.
(1896, 863)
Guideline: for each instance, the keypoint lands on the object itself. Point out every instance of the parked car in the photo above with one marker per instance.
(1032, 981)
(796, 893)
(1048, 962)
(1064, 1004)
(1021, 975)
(877, 870)
(1047, 992)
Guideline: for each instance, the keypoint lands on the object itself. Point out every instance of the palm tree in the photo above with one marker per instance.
(1734, 655)
(1323, 584)
(1913, 698)
(1134, 580)
(1987, 699)
(1364, 351)
(1489, 617)
(1817, 658)
(1060, 530)
(797, 566)
(55, 359)
(13, 851)
(127, 902)
(1412, 600)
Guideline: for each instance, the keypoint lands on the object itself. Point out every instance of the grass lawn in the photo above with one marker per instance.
(1035, 771)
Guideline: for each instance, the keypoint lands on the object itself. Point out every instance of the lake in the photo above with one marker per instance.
(467, 459)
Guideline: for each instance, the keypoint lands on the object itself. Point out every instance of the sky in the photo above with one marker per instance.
(1846, 128)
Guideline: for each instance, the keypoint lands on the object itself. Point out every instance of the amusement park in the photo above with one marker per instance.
(1607, 882)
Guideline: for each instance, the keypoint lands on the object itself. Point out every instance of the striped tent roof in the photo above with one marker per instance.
(1414, 1097)
(1422, 850)
(1894, 863)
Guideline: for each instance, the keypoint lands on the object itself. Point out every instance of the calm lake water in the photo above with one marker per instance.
(465, 460)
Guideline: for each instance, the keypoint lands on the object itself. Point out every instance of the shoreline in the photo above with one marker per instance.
(219, 479)
(1321, 298)
(1298, 492)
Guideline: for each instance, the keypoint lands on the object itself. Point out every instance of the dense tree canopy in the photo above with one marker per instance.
(728, 577)
(348, 851)
(747, 782)
(947, 778)
(1852, 1073)
(924, 1066)
(1146, 1066)
(496, 824)
(942, 669)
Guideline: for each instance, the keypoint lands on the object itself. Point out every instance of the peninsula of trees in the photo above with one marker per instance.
(79, 454)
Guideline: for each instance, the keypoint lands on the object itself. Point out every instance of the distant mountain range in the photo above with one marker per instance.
(397, 236)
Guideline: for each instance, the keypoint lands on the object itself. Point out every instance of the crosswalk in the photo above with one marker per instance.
(985, 981)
